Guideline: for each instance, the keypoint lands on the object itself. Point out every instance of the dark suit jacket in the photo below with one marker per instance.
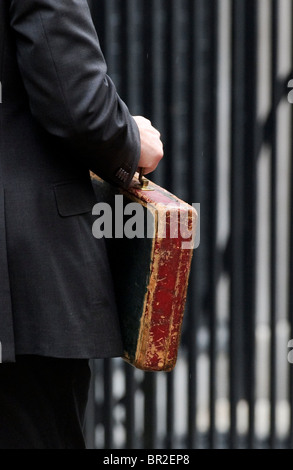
(60, 116)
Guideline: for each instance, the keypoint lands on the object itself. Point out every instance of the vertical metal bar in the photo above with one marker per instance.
(178, 161)
(237, 209)
(192, 325)
(98, 15)
(274, 261)
(168, 97)
(114, 41)
(90, 421)
(290, 307)
(170, 411)
(159, 77)
(150, 411)
(134, 66)
(169, 177)
(211, 149)
(179, 109)
(131, 439)
(108, 403)
(147, 55)
(203, 182)
(197, 183)
(193, 181)
(290, 301)
(250, 196)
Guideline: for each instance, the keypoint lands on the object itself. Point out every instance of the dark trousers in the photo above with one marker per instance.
(43, 402)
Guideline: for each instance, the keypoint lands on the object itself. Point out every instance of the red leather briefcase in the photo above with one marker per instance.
(150, 266)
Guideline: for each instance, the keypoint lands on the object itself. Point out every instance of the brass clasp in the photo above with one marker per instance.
(143, 182)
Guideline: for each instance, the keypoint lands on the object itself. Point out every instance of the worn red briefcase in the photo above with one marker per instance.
(150, 255)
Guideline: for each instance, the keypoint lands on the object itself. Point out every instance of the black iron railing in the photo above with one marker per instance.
(213, 76)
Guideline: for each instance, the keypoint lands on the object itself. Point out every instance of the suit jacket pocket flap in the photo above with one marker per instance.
(74, 198)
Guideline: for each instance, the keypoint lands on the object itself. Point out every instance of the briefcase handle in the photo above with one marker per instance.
(143, 181)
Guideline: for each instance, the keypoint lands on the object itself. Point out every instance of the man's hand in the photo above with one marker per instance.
(151, 145)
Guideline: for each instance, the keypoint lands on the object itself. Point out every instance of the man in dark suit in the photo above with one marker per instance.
(60, 116)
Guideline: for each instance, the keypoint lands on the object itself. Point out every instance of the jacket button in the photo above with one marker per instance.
(122, 175)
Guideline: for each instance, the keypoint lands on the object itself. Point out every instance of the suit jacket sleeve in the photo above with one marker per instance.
(69, 91)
